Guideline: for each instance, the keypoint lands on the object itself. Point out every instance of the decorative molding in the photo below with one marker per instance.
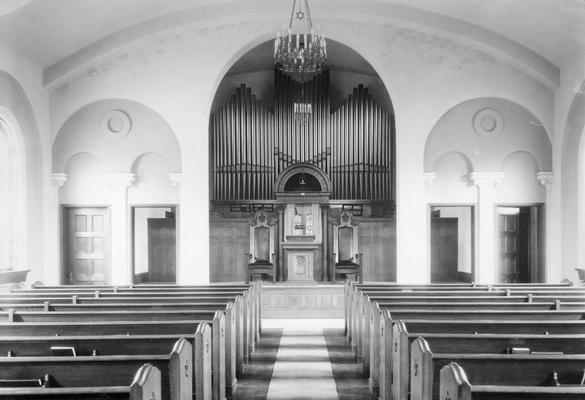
(430, 178)
(488, 123)
(487, 178)
(119, 179)
(58, 180)
(116, 123)
(176, 179)
(546, 179)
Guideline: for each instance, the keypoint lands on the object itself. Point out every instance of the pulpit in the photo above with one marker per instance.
(302, 241)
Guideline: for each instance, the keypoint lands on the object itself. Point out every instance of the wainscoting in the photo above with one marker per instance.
(284, 300)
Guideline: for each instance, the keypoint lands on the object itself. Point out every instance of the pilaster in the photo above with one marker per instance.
(552, 273)
(52, 275)
(486, 182)
(120, 233)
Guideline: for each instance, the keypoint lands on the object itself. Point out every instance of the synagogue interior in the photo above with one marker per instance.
(326, 162)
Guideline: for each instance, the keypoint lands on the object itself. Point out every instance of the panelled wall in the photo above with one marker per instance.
(252, 146)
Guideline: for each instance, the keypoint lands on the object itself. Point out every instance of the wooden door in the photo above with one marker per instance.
(444, 249)
(86, 241)
(509, 268)
(162, 254)
(230, 245)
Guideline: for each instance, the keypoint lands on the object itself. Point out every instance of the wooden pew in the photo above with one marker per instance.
(367, 342)
(225, 347)
(479, 343)
(398, 353)
(35, 346)
(455, 385)
(487, 369)
(236, 350)
(176, 370)
(27, 329)
(146, 385)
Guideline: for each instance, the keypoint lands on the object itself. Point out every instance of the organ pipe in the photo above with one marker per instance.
(251, 144)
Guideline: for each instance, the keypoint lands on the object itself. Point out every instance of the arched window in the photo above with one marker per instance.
(12, 225)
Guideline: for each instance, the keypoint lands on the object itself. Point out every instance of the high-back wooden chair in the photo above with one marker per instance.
(345, 248)
(261, 248)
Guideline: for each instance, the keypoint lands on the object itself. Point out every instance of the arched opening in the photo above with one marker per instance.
(336, 127)
(11, 199)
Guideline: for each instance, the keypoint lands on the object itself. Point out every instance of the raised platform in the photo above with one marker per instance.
(302, 300)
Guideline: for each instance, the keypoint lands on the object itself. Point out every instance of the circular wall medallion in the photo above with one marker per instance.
(116, 122)
(488, 122)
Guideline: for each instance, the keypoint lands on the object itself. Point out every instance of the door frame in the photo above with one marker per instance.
(132, 254)
(63, 238)
(474, 235)
(541, 235)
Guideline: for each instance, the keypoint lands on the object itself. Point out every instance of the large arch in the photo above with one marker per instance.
(573, 185)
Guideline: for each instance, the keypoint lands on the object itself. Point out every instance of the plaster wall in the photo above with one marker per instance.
(176, 74)
(568, 190)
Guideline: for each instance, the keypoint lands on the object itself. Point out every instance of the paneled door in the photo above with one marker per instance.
(86, 238)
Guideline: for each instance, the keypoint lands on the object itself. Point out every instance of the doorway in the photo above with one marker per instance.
(154, 244)
(452, 243)
(85, 245)
(520, 244)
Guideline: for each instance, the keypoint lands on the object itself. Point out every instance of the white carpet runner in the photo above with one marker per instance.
(302, 369)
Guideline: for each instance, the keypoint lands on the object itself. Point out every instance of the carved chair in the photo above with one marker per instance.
(345, 248)
(261, 248)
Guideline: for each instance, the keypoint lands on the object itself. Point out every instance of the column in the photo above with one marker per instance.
(176, 179)
(120, 266)
(552, 273)
(325, 241)
(485, 271)
(52, 274)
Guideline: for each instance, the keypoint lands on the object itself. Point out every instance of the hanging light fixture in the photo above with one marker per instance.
(303, 51)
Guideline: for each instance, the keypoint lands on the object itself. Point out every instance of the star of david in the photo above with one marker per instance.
(300, 14)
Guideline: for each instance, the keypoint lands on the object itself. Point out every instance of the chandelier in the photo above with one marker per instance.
(304, 51)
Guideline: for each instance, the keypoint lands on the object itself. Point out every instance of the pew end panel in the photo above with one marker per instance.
(454, 383)
(218, 356)
(203, 364)
(385, 372)
(375, 339)
(399, 359)
(421, 370)
(230, 347)
(181, 370)
(146, 384)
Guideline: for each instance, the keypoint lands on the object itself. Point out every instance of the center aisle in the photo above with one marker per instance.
(302, 369)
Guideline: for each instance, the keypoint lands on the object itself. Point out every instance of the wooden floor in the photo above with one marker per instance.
(303, 363)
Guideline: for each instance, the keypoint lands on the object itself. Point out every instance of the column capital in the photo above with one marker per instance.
(119, 179)
(176, 179)
(58, 179)
(546, 179)
(430, 178)
(487, 178)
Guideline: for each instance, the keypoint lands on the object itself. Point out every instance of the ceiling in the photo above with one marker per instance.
(48, 32)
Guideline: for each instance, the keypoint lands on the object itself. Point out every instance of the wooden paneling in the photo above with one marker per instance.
(377, 244)
(318, 301)
(230, 243)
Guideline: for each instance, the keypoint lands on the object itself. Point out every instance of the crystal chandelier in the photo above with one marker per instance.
(304, 51)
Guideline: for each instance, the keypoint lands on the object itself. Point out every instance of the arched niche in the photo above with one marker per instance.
(287, 180)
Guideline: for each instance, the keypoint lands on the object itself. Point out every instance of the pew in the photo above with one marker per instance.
(455, 385)
(146, 385)
(36, 346)
(487, 369)
(367, 345)
(130, 328)
(398, 354)
(176, 370)
(477, 343)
